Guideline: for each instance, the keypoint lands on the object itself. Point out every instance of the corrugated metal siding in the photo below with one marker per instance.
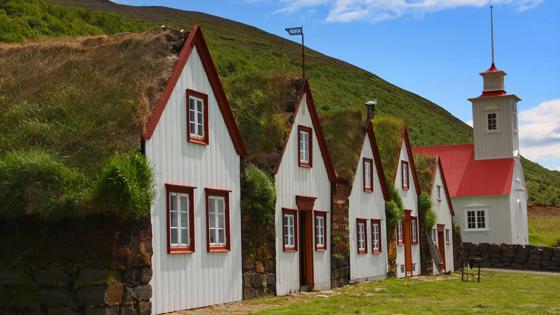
(443, 216)
(410, 202)
(499, 144)
(184, 281)
(499, 219)
(292, 180)
(518, 206)
(367, 205)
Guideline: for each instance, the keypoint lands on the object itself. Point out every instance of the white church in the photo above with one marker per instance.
(485, 179)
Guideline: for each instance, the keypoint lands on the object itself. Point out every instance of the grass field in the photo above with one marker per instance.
(544, 226)
(497, 293)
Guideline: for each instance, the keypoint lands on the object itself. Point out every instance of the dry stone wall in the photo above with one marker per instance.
(529, 257)
(76, 267)
(340, 243)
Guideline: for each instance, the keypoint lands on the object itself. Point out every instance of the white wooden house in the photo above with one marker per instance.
(366, 215)
(303, 177)
(408, 232)
(194, 146)
(485, 179)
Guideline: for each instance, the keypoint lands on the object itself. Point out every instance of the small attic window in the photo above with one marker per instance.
(197, 117)
(368, 174)
(492, 121)
(405, 177)
(305, 147)
(439, 192)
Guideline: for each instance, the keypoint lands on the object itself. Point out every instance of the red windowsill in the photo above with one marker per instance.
(179, 250)
(362, 252)
(290, 250)
(218, 250)
(368, 190)
(376, 252)
(400, 243)
(405, 188)
(198, 141)
(304, 165)
(320, 249)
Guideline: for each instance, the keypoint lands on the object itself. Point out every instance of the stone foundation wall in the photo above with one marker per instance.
(528, 257)
(340, 243)
(76, 267)
(259, 278)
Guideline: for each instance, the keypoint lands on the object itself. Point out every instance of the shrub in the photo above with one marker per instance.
(125, 187)
(260, 195)
(427, 215)
(394, 208)
(36, 182)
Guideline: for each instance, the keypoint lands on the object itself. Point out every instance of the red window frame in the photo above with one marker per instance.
(323, 214)
(414, 233)
(169, 188)
(378, 223)
(294, 212)
(301, 163)
(204, 97)
(405, 181)
(400, 240)
(212, 192)
(364, 162)
(365, 249)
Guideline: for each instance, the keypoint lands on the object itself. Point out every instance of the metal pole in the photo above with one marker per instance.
(302, 54)
(492, 31)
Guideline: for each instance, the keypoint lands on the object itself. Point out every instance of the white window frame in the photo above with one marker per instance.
(181, 215)
(414, 230)
(400, 239)
(476, 211)
(447, 236)
(434, 236)
(196, 117)
(438, 192)
(320, 235)
(375, 233)
(289, 228)
(361, 234)
(214, 219)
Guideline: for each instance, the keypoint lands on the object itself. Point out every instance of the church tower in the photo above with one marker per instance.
(495, 125)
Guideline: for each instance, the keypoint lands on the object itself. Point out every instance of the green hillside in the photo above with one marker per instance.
(252, 63)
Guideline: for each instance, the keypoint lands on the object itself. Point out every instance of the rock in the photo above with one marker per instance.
(88, 277)
(92, 296)
(115, 293)
(271, 279)
(248, 264)
(248, 293)
(129, 295)
(258, 281)
(102, 311)
(55, 297)
(129, 310)
(259, 267)
(270, 266)
(52, 278)
(144, 308)
(9, 278)
(143, 292)
(137, 275)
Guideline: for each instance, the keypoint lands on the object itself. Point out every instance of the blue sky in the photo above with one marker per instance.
(434, 48)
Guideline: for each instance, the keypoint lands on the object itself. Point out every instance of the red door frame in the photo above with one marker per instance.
(305, 207)
(441, 244)
(407, 239)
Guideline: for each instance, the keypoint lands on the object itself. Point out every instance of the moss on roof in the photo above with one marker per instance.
(426, 166)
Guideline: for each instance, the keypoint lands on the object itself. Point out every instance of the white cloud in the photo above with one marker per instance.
(380, 10)
(539, 132)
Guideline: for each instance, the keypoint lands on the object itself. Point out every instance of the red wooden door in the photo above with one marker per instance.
(407, 238)
(441, 245)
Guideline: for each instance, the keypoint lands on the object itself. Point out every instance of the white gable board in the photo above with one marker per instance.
(291, 180)
(367, 205)
(183, 281)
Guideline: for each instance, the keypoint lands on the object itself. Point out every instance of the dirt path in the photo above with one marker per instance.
(530, 272)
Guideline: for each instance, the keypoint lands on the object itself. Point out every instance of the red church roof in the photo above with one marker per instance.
(469, 177)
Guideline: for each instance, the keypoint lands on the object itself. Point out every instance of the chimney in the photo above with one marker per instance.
(370, 106)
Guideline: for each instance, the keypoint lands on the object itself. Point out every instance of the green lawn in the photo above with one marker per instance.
(497, 293)
(544, 230)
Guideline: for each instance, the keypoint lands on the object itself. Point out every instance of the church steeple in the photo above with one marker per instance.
(494, 114)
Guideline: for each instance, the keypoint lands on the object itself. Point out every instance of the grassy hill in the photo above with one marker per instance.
(251, 63)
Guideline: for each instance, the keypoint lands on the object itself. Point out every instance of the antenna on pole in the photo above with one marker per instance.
(492, 31)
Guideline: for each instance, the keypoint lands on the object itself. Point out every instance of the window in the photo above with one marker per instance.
(305, 147)
(447, 237)
(197, 117)
(217, 220)
(361, 235)
(492, 121)
(320, 230)
(399, 232)
(289, 229)
(414, 231)
(180, 219)
(376, 236)
(368, 174)
(405, 175)
(439, 192)
(434, 236)
(476, 219)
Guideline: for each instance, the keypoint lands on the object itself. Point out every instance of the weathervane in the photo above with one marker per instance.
(299, 31)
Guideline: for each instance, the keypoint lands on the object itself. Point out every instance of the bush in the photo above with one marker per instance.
(394, 208)
(260, 195)
(125, 187)
(38, 183)
(427, 215)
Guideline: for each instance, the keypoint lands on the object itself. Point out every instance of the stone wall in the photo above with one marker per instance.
(259, 278)
(528, 257)
(93, 266)
(340, 243)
